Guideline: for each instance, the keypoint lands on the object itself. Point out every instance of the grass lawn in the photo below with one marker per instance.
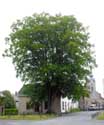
(101, 116)
(27, 117)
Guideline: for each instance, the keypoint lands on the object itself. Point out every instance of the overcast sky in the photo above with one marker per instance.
(89, 12)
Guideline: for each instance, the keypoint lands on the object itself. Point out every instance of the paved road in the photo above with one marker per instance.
(83, 118)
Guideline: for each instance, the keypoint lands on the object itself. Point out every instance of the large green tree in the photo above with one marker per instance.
(52, 51)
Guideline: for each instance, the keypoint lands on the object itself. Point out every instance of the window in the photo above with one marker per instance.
(28, 105)
(91, 89)
(46, 105)
(68, 105)
(63, 105)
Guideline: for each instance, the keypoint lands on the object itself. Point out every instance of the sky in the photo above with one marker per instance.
(88, 12)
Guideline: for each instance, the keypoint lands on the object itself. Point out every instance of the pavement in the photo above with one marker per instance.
(81, 118)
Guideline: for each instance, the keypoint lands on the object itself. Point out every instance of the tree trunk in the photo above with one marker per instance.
(54, 101)
(56, 104)
(49, 98)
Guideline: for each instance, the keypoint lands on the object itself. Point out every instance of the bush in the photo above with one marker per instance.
(74, 110)
(11, 111)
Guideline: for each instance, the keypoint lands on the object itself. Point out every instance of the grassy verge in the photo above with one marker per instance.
(101, 116)
(27, 117)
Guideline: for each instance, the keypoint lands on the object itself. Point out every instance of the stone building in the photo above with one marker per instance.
(24, 107)
(94, 101)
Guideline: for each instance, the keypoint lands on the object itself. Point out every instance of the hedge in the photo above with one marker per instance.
(11, 111)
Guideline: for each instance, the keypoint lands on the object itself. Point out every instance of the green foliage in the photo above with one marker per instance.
(74, 110)
(1, 100)
(52, 51)
(11, 111)
(8, 100)
(36, 92)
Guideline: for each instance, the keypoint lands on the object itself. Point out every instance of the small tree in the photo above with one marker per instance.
(52, 51)
(36, 92)
(8, 100)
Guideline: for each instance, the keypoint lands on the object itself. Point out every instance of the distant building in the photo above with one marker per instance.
(103, 87)
(94, 100)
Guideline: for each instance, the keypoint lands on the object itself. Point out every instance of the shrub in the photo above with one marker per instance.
(11, 111)
(74, 110)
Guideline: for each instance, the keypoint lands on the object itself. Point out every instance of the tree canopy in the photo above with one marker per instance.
(52, 51)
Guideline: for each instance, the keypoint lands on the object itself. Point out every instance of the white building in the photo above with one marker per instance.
(67, 104)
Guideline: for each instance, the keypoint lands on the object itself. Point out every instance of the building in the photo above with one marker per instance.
(24, 107)
(22, 104)
(103, 87)
(68, 104)
(94, 100)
